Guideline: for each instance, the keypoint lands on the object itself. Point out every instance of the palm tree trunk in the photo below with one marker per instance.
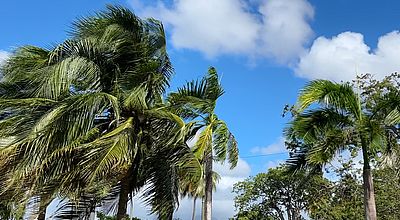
(203, 207)
(42, 214)
(368, 185)
(209, 187)
(194, 208)
(123, 199)
(280, 214)
(42, 208)
(289, 214)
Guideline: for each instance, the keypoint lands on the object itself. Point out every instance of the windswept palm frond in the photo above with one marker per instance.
(331, 95)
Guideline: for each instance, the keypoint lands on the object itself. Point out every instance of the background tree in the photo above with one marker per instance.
(330, 117)
(343, 198)
(382, 97)
(277, 194)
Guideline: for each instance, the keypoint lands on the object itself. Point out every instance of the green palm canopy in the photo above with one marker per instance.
(197, 100)
(332, 117)
(86, 121)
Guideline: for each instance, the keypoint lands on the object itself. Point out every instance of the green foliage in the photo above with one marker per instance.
(197, 100)
(268, 194)
(382, 97)
(344, 198)
(329, 118)
(85, 120)
(102, 216)
(387, 191)
(277, 194)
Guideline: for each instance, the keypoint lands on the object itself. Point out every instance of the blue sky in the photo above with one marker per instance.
(265, 50)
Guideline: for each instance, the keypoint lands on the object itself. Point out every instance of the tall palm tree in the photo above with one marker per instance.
(90, 112)
(198, 99)
(329, 118)
(192, 183)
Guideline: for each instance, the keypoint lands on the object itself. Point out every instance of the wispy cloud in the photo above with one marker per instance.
(277, 147)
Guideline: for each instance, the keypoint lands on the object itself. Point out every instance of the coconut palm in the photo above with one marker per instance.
(198, 99)
(329, 118)
(19, 110)
(90, 112)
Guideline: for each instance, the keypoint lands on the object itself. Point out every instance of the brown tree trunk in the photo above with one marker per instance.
(194, 208)
(42, 214)
(209, 186)
(42, 208)
(368, 185)
(369, 195)
(123, 199)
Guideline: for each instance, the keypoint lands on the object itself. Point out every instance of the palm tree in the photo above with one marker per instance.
(90, 112)
(15, 93)
(329, 118)
(192, 182)
(198, 99)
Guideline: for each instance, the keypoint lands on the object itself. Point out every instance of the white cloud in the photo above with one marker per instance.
(274, 148)
(274, 163)
(272, 28)
(344, 56)
(3, 56)
(242, 169)
(285, 27)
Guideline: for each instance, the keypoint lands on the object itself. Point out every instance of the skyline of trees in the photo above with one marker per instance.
(89, 122)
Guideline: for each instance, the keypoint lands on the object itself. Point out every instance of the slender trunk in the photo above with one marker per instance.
(132, 207)
(92, 215)
(289, 214)
(369, 195)
(42, 208)
(42, 213)
(194, 208)
(209, 186)
(123, 199)
(203, 207)
(289, 206)
(280, 214)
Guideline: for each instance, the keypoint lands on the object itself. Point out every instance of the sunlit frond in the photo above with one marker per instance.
(330, 95)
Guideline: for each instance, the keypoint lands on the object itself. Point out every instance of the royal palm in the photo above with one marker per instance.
(197, 100)
(330, 118)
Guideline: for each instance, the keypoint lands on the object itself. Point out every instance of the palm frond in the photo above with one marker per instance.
(330, 95)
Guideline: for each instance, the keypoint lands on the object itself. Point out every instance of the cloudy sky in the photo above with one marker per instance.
(265, 51)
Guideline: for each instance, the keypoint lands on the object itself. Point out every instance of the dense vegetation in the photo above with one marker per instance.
(88, 122)
(329, 119)
(279, 194)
